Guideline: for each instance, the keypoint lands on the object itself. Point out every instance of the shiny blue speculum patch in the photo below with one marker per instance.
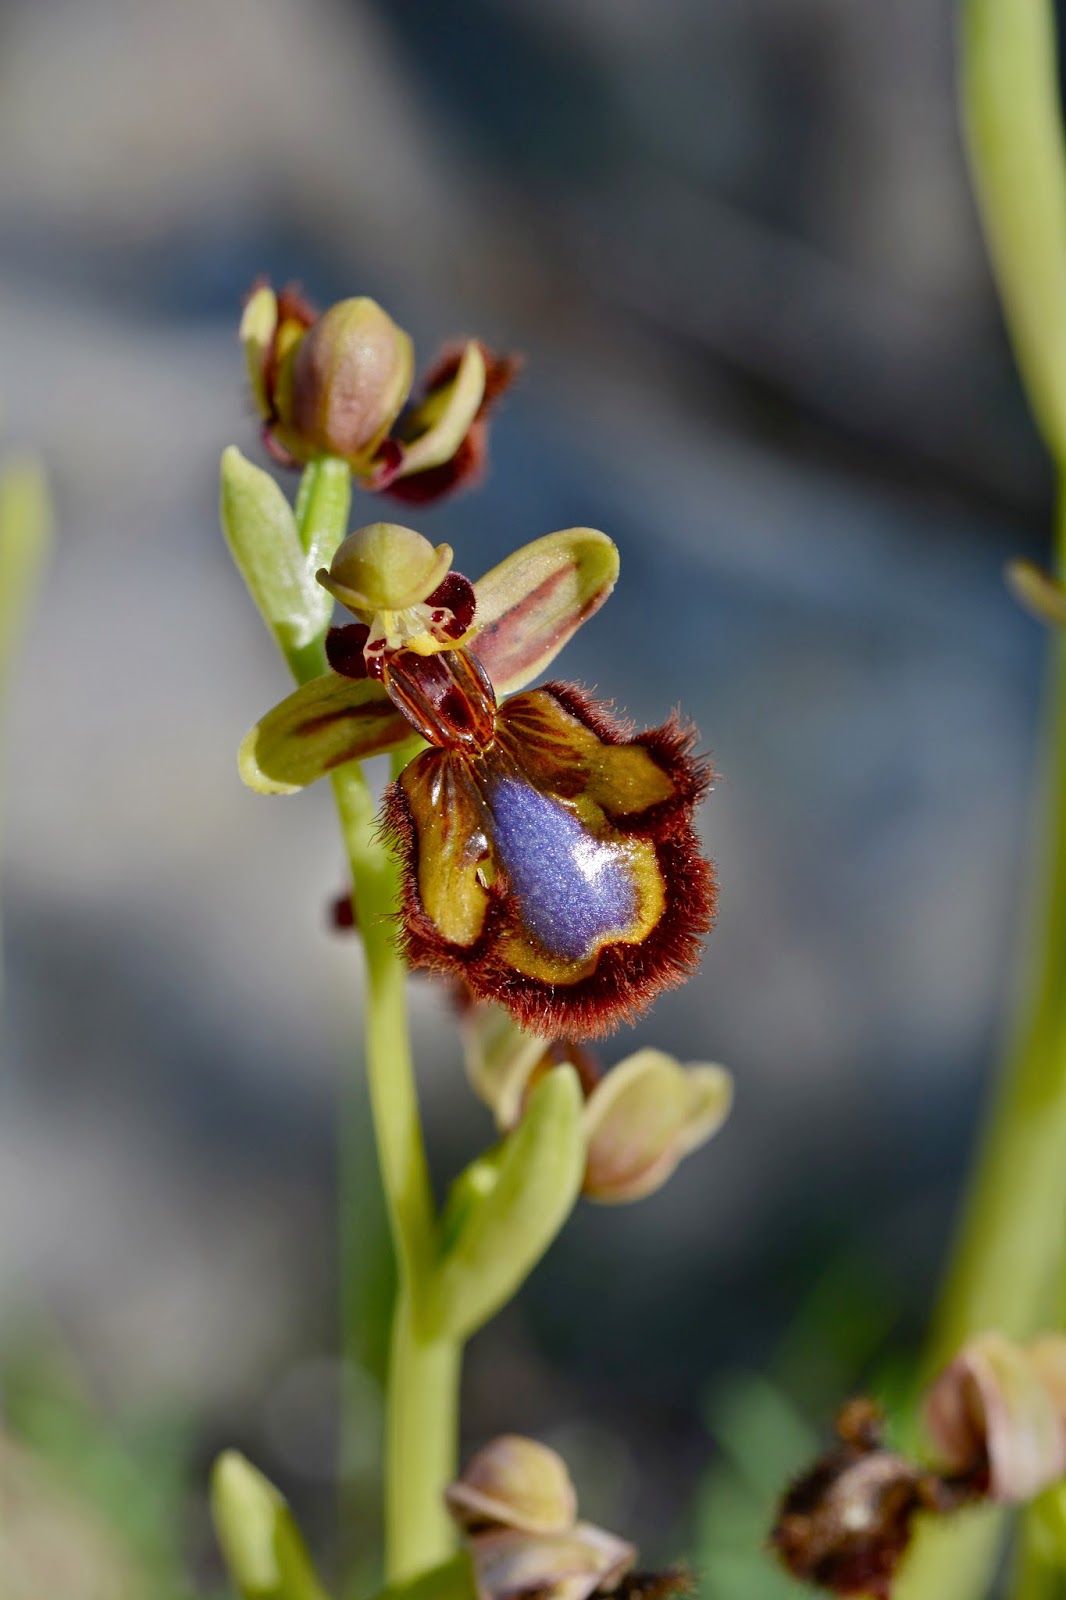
(573, 891)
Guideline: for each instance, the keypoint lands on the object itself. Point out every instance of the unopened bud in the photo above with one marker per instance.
(643, 1117)
(514, 1483)
(999, 1410)
(344, 383)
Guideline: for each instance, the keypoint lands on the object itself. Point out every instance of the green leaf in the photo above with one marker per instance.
(508, 1208)
(530, 605)
(263, 1548)
(316, 729)
(1012, 119)
(264, 541)
(25, 537)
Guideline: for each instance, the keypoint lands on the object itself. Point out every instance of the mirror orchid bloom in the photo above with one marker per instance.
(548, 853)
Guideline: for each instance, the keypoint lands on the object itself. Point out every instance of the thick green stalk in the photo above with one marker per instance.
(1011, 1251)
(1008, 1264)
(422, 1397)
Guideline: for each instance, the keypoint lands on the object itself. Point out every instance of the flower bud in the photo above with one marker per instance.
(384, 567)
(999, 1410)
(328, 385)
(514, 1483)
(264, 1551)
(344, 383)
(643, 1117)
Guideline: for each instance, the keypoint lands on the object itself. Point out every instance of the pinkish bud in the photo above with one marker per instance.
(999, 1410)
(343, 384)
(514, 1483)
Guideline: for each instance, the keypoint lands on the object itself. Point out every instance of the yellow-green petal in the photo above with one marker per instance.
(318, 728)
(443, 420)
(534, 602)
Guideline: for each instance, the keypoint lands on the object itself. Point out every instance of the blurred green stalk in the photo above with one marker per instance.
(25, 538)
(1011, 1249)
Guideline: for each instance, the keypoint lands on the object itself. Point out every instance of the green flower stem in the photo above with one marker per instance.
(422, 1398)
(1009, 1260)
(1011, 1251)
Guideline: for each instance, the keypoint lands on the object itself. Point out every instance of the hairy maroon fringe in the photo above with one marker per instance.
(627, 977)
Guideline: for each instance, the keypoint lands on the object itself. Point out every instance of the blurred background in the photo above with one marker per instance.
(735, 243)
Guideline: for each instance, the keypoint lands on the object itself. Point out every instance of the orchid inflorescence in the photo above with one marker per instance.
(533, 853)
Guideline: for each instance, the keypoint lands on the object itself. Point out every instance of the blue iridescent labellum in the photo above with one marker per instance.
(572, 891)
(550, 861)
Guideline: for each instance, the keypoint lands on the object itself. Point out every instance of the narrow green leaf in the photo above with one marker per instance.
(264, 541)
(263, 1548)
(506, 1216)
(25, 537)
(316, 729)
(1012, 119)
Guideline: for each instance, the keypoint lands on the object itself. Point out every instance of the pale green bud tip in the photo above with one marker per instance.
(1003, 1405)
(385, 567)
(514, 1483)
(643, 1117)
(344, 383)
(258, 327)
(246, 1508)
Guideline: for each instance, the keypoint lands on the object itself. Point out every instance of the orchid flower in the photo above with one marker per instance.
(549, 855)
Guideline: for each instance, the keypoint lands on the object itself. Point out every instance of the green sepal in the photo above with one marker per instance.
(264, 540)
(259, 324)
(25, 537)
(535, 600)
(443, 420)
(316, 729)
(264, 1550)
(505, 1211)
